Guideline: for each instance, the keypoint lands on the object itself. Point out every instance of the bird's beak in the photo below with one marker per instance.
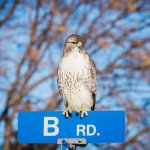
(79, 44)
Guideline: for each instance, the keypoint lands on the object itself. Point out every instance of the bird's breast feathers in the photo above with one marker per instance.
(74, 62)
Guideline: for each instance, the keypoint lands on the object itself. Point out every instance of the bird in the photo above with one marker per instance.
(76, 80)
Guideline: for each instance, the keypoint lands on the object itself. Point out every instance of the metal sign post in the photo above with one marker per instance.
(63, 147)
(71, 143)
(52, 127)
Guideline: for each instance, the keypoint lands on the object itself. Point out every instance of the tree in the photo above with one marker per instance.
(32, 35)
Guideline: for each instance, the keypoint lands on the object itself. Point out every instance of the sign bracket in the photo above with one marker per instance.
(71, 143)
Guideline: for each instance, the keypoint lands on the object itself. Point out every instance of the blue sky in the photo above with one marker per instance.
(15, 47)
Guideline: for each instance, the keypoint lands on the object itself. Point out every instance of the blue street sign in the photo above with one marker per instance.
(48, 127)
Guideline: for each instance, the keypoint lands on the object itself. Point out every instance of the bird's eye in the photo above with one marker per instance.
(74, 42)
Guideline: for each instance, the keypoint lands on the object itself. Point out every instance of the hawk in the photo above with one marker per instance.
(77, 77)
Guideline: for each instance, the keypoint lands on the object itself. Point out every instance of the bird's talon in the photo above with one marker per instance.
(86, 114)
(67, 111)
(67, 114)
(70, 111)
(63, 113)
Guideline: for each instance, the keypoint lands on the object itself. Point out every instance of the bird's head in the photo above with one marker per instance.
(72, 42)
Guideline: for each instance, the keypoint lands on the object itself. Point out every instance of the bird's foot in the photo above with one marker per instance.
(68, 111)
(83, 112)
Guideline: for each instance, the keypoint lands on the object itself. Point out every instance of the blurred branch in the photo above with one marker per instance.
(3, 4)
(10, 12)
(133, 139)
(105, 24)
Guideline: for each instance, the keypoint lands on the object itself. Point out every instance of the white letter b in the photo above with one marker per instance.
(54, 126)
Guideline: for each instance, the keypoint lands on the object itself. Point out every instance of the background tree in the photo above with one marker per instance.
(32, 34)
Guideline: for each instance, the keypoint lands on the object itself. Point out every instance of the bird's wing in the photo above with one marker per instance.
(92, 84)
(58, 77)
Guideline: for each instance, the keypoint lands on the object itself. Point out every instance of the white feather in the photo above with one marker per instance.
(75, 62)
